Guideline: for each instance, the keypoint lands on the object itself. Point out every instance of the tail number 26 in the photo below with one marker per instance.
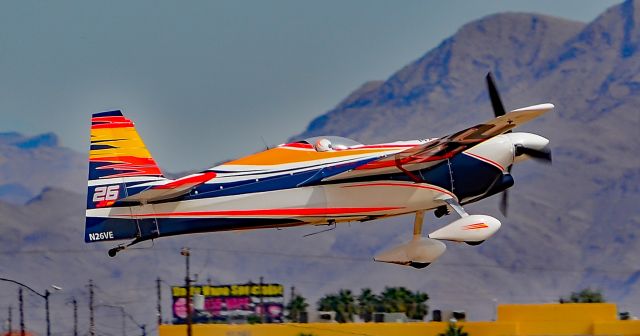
(106, 193)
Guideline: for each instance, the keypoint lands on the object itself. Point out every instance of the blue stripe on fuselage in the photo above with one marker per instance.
(471, 177)
(105, 229)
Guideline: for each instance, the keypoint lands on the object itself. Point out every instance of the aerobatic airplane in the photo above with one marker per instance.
(317, 181)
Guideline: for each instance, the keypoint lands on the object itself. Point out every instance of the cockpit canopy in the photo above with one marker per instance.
(330, 142)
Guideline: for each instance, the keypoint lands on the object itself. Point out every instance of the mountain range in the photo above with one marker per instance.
(570, 225)
(29, 164)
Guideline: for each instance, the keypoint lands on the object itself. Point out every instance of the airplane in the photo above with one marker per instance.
(322, 180)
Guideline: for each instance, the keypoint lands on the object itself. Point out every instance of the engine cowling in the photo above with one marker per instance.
(472, 228)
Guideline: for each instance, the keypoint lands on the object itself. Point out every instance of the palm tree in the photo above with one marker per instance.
(453, 330)
(296, 306)
(395, 299)
(586, 295)
(419, 308)
(346, 306)
(342, 303)
(327, 302)
(402, 300)
(367, 304)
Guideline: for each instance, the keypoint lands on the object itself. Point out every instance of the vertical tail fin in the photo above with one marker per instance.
(117, 151)
(117, 159)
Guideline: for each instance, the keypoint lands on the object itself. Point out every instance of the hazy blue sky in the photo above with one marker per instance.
(205, 80)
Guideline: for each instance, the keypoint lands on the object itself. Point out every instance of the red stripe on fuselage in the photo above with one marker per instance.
(491, 162)
(298, 145)
(198, 179)
(382, 184)
(271, 212)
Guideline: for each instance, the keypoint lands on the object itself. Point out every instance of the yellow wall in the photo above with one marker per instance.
(338, 329)
(557, 319)
(513, 320)
(617, 328)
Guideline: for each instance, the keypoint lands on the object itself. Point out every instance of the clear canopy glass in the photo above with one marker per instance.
(337, 142)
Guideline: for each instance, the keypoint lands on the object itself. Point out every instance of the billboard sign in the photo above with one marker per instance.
(229, 303)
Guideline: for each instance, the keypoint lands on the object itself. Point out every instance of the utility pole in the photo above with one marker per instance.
(124, 322)
(159, 292)
(92, 325)
(46, 307)
(261, 302)
(22, 333)
(75, 316)
(185, 252)
(10, 320)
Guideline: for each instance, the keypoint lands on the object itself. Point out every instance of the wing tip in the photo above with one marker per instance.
(539, 107)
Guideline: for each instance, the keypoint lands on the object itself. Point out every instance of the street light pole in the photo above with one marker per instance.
(45, 296)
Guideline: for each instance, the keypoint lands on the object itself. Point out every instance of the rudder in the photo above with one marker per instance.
(118, 158)
(117, 150)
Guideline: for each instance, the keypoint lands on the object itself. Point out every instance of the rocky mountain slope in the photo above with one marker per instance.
(571, 225)
(28, 164)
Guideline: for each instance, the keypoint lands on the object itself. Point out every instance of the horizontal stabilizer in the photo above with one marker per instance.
(170, 189)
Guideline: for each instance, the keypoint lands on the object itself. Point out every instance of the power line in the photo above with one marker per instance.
(328, 258)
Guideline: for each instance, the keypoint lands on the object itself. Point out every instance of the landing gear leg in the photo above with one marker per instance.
(112, 252)
(417, 236)
(417, 225)
(455, 206)
(419, 252)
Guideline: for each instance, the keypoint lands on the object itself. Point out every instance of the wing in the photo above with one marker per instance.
(437, 150)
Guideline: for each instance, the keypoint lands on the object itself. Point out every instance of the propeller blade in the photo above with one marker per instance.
(496, 102)
(543, 155)
(504, 203)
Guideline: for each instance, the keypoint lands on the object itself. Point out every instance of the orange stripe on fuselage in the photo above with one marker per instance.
(282, 155)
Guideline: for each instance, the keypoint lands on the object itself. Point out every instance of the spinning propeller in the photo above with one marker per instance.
(543, 155)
